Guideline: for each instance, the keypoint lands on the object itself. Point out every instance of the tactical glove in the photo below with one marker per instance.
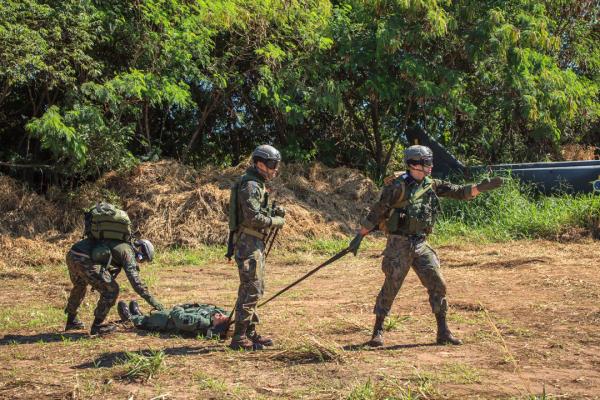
(278, 211)
(355, 243)
(490, 184)
(277, 222)
(154, 303)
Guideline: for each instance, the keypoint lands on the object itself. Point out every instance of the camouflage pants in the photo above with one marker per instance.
(250, 260)
(82, 273)
(400, 254)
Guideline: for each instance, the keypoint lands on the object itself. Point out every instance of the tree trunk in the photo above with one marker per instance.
(201, 122)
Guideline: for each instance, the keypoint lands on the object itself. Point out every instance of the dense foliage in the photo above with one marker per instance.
(88, 86)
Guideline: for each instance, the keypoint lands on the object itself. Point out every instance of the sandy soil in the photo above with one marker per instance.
(527, 311)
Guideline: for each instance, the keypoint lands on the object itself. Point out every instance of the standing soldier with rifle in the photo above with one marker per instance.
(409, 206)
(251, 221)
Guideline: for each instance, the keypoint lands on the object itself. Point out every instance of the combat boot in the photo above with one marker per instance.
(240, 341)
(256, 338)
(73, 323)
(134, 308)
(123, 311)
(377, 338)
(99, 329)
(444, 336)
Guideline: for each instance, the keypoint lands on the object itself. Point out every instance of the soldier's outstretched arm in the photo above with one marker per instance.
(453, 191)
(466, 192)
(133, 275)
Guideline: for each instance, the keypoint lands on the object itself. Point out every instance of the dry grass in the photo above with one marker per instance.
(578, 152)
(175, 205)
(310, 349)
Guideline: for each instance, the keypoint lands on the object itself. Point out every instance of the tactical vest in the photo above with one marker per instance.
(236, 215)
(416, 209)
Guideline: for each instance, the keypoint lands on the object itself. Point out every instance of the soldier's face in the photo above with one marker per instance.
(268, 171)
(421, 170)
(219, 318)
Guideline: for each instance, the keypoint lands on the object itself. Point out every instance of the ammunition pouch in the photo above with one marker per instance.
(396, 220)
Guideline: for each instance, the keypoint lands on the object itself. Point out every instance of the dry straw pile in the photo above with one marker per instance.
(175, 205)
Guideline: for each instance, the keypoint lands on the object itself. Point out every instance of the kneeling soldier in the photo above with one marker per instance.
(97, 263)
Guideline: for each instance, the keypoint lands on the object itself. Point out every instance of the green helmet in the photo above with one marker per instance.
(418, 154)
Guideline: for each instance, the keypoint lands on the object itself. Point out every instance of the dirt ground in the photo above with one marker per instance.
(527, 311)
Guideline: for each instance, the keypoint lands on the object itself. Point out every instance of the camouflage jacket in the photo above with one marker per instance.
(253, 201)
(191, 318)
(409, 207)
(123, 258)
(253, 207)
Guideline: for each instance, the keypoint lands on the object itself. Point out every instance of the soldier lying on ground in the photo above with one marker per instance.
(84, 269)
(192, 319)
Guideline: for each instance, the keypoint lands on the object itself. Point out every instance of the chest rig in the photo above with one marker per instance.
(416, 209)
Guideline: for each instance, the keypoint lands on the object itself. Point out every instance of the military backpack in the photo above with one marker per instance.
(105, 221)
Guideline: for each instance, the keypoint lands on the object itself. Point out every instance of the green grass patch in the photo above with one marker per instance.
(184, 257)
(388, 390)
(515, 211)
(207, 382)
(31, 317)
(333, 246)
(393, 322)
(460, 373)
(143, 366)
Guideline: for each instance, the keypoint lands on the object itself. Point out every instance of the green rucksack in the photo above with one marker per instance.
(105, 221)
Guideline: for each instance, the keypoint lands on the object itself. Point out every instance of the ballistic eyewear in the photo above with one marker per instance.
(272, 164)
(426, 162)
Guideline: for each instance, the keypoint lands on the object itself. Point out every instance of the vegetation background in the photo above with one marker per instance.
(88, 87)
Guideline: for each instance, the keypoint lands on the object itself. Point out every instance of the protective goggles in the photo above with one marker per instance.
(272, 164)
(426, 162)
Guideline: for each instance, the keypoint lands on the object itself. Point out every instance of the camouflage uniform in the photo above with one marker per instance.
(253, 206)
(409, 220)
(83, 271)
(186, 318)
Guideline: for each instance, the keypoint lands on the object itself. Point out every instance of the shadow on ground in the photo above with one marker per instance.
(109, 360)
(41, 338)
(365, 346)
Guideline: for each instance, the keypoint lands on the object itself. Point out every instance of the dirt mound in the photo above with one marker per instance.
(173, 204)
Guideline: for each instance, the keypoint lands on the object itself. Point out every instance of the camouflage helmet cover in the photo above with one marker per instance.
(417, 153)
(266, 152)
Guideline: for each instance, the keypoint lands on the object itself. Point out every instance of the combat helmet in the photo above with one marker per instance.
(144, 249)
(267, 154)
(418, 154)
